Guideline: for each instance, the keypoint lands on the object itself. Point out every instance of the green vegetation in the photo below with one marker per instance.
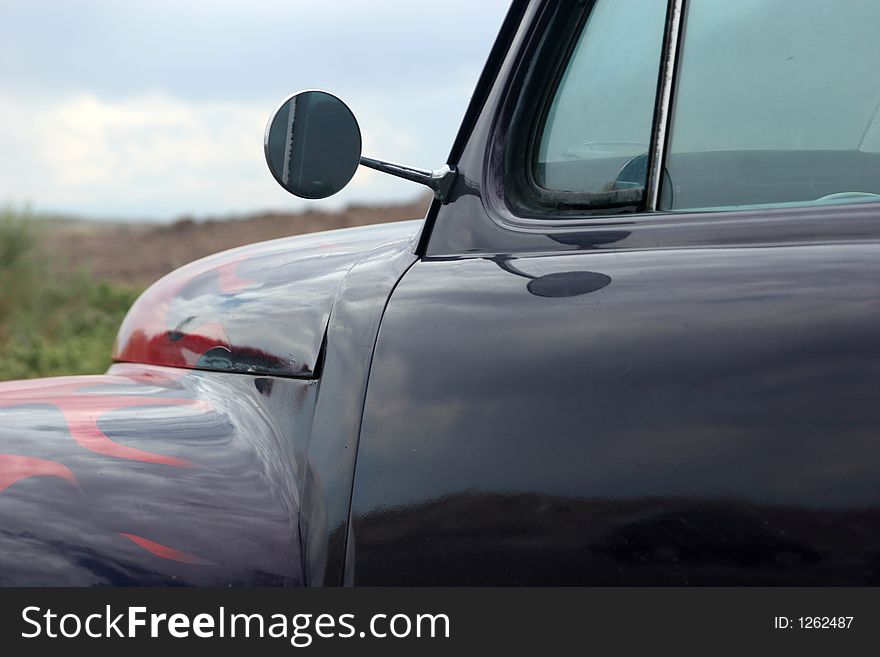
(51, 324)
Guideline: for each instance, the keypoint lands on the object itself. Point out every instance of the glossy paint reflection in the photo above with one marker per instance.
(150, 475)
(529, 539)
(558, 285)
(709, 416)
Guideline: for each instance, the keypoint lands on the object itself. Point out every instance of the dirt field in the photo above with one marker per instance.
(139, 254)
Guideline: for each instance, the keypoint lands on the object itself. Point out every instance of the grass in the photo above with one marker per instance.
(51, 324)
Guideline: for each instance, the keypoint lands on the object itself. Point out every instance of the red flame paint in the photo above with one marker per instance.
(82, 410)
(229, 281)
(14, 468)
(164, 551)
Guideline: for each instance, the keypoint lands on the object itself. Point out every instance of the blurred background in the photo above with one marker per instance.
(131, 141)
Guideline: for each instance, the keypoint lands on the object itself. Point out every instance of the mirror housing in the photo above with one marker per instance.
(312, 144)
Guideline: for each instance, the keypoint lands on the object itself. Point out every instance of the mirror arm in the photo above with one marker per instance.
(440, 180)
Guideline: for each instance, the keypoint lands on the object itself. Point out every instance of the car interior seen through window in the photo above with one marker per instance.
(777, 103)
(601, 115)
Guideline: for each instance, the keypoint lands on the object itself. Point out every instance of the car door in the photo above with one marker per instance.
(640, 344)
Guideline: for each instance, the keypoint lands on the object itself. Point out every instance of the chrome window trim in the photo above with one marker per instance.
(663, 105)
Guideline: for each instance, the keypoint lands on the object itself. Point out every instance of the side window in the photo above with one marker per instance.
(601, 115)
(776, 103)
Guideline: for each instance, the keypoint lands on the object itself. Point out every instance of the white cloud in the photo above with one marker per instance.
(194, 155)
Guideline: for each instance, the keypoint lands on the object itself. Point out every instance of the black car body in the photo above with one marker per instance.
(669, 379)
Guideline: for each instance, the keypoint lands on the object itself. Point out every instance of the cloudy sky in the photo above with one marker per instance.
(154, 109)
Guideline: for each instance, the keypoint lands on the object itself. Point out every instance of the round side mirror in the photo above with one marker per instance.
(312, 144)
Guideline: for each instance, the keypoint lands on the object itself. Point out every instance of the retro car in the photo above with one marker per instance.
(634, 340)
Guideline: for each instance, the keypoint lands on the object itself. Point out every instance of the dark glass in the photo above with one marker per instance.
(313, 144)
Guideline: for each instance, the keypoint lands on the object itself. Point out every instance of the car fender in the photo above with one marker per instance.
(150, 475)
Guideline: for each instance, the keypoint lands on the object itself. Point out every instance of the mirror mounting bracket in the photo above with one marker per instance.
(439, 180)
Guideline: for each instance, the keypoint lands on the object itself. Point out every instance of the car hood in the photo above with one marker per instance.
(261, 309)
